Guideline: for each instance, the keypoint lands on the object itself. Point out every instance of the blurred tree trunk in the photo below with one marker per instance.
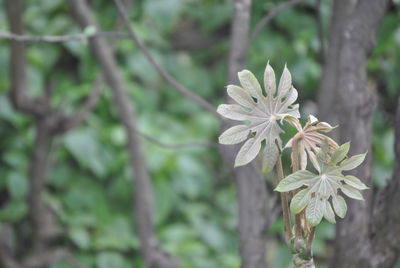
(345, 97)
(42, 221)
(254, 204)
(328, 109)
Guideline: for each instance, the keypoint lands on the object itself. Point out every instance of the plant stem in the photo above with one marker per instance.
(295, 154)
(310, 239)
(300, 262)
(303, 256)
(284, 202)
(295, 167)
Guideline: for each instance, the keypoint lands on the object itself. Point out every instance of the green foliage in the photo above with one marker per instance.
(89, 186)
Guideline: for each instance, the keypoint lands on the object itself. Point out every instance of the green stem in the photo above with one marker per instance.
(302, 258)
(284, 203)
(310, 239)
(301, 262)
(295, 167)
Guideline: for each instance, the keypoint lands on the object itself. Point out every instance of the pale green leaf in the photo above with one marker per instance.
(232, 111)
(339, 204)
(328, 212)
(289, 99)
(300, 201)
(269, 80)
(285, 83)
(295, 180)
(314, 211)
(324, 150)
(240, 96)
(352, 162)
(270, 156)
(250, 83)
(248, 152)
(234, 135)
(355, 182)
(351, 192)
(341, 153)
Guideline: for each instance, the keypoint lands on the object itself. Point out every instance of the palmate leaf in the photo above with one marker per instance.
(310, 140)
(317, 191)
(260, 115)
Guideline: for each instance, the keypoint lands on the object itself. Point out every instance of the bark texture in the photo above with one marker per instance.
(345, 98)
(385, 226)
(153, 255)
(340, 14)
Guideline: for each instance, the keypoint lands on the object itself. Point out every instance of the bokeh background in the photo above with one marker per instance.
(89, 185)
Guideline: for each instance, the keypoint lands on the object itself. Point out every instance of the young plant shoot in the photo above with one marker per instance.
(317, 161)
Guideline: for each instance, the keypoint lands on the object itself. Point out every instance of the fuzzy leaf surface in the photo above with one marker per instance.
(323, 188)
(261, 113)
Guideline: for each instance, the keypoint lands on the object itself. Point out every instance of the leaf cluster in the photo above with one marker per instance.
(318, 191)
(260, 115)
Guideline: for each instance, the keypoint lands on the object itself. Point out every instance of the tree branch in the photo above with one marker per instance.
(153, 254)
(178, 145)
(7, 258)
(60, 38)
(164, 74)
(42, 220)
(18, 79)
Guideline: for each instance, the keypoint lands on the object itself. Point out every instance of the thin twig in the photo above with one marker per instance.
(153, 253)
(270, 16)
(164, 74)
(60, 38)
(284, 202)
(179, 145)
